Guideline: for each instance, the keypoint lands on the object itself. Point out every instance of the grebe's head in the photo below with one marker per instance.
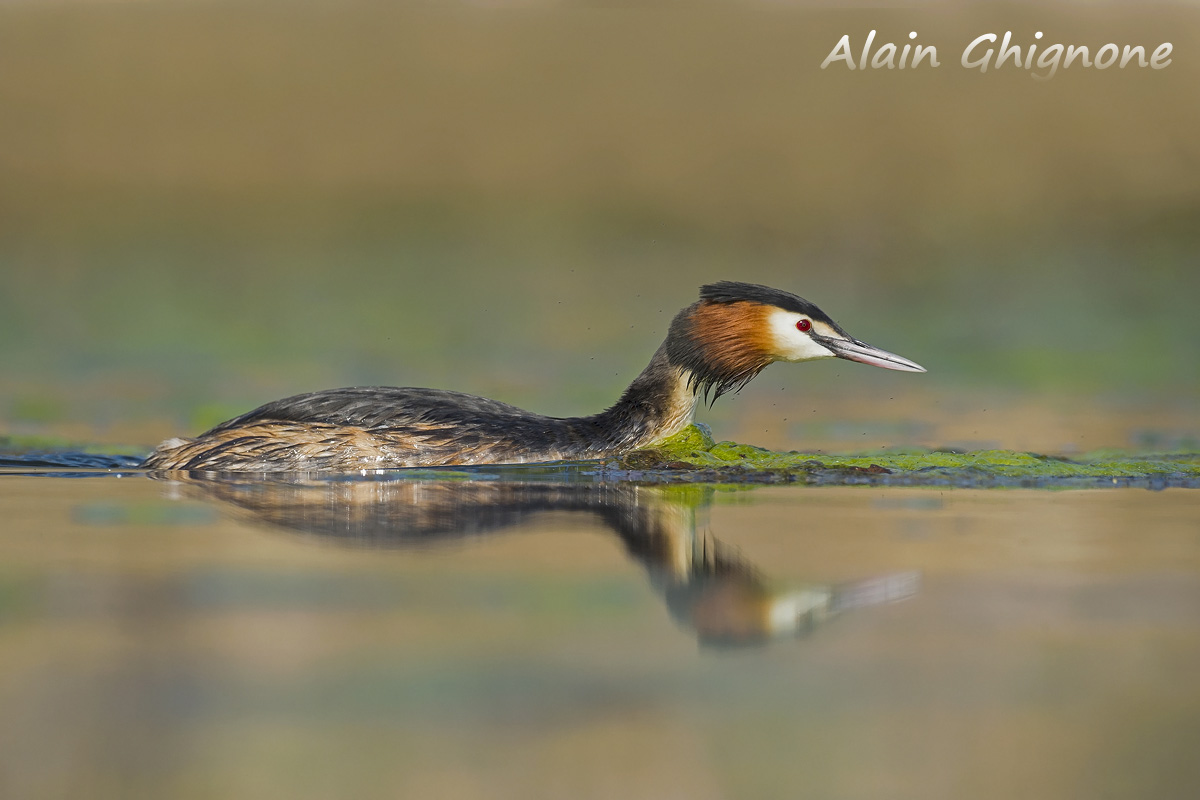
(737, 329)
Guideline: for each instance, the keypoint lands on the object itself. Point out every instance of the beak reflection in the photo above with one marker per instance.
(708, 588)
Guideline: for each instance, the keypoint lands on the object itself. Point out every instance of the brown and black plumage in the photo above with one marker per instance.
(713, 346)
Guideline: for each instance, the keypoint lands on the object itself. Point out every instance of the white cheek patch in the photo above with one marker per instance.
(795, 611)
(790, 343)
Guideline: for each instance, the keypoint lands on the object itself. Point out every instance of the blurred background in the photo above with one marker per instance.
(208, 205)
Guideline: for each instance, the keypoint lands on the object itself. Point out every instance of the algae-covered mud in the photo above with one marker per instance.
(694, 455)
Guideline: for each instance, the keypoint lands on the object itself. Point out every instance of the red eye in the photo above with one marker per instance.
(804, 325)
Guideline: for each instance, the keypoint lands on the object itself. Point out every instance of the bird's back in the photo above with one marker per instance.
(378, 427)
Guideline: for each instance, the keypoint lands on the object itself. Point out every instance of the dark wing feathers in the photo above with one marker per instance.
(434, 417)
(372, 407)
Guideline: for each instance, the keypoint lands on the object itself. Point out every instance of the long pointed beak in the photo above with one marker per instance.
(854, 350)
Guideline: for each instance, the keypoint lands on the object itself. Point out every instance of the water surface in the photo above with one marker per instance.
(532, 633)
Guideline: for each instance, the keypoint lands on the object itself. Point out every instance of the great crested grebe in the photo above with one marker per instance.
(713, 346)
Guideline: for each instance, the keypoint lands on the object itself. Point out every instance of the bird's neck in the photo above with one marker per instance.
(659, 403)
(710, 349)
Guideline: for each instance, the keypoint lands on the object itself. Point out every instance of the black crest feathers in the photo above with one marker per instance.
(737, 292)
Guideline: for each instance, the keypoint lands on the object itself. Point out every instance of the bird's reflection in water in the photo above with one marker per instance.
(708, 587)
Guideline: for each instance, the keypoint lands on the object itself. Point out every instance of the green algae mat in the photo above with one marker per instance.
(692, 455)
